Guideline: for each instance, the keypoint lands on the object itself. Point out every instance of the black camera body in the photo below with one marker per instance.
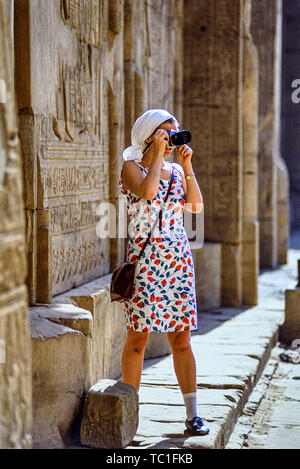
(177, 139)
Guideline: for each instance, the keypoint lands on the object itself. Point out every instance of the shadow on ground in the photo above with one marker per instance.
(295, 239)
(207, 320)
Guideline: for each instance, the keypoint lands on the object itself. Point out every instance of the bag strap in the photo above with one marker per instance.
(159, 215)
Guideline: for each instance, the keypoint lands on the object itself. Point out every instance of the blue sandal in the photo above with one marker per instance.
(290, 357)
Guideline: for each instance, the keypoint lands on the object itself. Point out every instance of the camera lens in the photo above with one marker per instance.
(176, 139)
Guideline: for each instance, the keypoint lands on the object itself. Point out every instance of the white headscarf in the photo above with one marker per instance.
(143, 127)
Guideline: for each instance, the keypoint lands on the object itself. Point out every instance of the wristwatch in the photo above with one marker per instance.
(189, 176)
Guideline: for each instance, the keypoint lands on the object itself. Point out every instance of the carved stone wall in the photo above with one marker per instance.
(15, 345)
(69, 79)
(71, 111)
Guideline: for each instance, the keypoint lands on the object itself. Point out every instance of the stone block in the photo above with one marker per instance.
(292, 306)
(67, 314)
(290, 329)
(59, 361)
(207, 265)
(108, 331)
(110, 415)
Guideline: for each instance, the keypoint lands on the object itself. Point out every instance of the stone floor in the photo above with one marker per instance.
(277, 420)
(271, 417)
(232, 347)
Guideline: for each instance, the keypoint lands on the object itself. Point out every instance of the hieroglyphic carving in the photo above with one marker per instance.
(78, 99)
(71, 217)
(68, 180)
(83, 16)
(77, 259)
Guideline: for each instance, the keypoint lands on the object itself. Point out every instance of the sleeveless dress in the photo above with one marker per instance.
(164, 298)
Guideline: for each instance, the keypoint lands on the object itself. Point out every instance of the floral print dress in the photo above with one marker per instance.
(164, 298)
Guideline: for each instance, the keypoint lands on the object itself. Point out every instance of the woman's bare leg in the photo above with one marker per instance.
(133, 357)
(184, 360)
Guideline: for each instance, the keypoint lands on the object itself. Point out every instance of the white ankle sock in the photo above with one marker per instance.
(190, 400)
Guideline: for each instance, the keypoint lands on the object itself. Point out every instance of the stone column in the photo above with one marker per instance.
(15, 346)
(134, 63)
(290, 114)
(152, 58)
(152, 73)
(115, 113)
(212, 110)
(266, 33)
(283, 185)
(250, 259)
(163, 56)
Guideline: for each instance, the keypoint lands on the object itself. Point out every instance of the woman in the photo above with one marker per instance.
(164, 297)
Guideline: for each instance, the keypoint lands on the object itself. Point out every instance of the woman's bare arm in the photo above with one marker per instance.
(146, 187)
(193, 197)
(136, 182)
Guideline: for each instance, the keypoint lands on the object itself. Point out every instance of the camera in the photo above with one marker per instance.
(176, 139)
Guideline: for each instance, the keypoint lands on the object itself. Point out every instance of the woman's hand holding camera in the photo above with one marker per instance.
(184, 154)
(161, 140)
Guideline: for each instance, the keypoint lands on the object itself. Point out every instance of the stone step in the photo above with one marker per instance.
(60, 339)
